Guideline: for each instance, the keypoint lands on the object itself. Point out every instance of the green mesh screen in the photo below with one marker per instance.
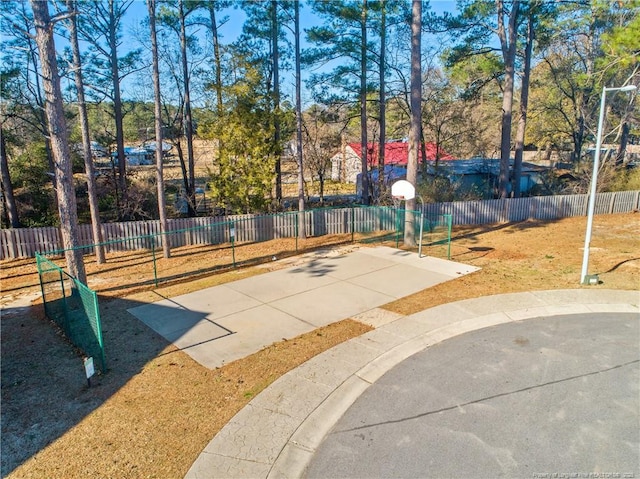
(74, 308)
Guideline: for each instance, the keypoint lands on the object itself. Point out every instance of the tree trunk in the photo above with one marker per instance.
(508, 44)
(363, 105)
(59, 141)
(162, 206)
(90, 172)
(276, 97)
(301, 222)
(624, 139)
(416, 117)
(40, 113)
(382, 97)
(578, 140)
(7, 187)
(216, 54)
(188, 119)
(117, 102)
(524, 103)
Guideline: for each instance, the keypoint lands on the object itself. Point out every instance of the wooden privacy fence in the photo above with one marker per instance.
(25, 242)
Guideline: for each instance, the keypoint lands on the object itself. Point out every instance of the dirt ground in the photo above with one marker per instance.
(155, 410)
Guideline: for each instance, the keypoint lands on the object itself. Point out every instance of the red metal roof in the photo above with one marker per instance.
(397, 153)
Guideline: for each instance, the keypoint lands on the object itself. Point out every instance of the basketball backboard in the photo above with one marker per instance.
(403, 190)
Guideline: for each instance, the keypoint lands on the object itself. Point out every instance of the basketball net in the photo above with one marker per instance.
(397, 200)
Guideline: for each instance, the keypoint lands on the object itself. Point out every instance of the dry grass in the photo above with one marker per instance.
(156, 409)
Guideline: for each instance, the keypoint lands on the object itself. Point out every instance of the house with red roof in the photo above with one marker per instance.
(347, 165)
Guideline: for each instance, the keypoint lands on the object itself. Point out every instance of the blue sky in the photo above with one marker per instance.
(231, 29)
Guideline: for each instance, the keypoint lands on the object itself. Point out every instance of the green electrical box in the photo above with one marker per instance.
(591, 279)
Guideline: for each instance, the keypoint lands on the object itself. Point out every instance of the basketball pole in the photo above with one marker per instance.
(421, 225)
(402, 198)
(403, 190)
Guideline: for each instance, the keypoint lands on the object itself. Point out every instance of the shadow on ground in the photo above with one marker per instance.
(41, 399)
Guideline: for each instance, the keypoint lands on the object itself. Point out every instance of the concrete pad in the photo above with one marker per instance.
(280, 284)
(214, 302)
(436, 265)
(393, 254)
(355, 264)
(399, 280)
(223, 323)
(443, 266)
(218, 301)
(331, 303)
(167, 319)
(253, 330)
(202, 332)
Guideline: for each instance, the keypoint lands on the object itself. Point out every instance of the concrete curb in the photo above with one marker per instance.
(277, 433)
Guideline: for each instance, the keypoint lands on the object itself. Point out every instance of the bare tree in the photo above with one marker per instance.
(96, 226)
(162, 207)
(59, 141)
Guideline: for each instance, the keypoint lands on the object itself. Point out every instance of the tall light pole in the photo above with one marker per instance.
(594, 180)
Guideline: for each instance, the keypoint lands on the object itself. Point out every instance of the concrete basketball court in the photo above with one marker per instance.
(223, 323)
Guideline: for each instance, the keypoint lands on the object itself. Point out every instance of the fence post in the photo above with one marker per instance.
(96, 312)
(297, 229)
(397, 226)
(232, 235)
(153, 254)
(450, 222)
(353, 224)
(39, 265)
(612, 202)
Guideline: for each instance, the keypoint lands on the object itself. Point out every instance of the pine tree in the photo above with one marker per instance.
(59, 142)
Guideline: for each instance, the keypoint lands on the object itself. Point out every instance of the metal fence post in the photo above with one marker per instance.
(297, 218)
(232, 234)
(450, 222)
(353, 223)
(397, 227)
(103, 359)
(153, 254)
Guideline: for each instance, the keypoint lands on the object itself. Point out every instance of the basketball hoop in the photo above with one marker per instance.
(403, 190)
